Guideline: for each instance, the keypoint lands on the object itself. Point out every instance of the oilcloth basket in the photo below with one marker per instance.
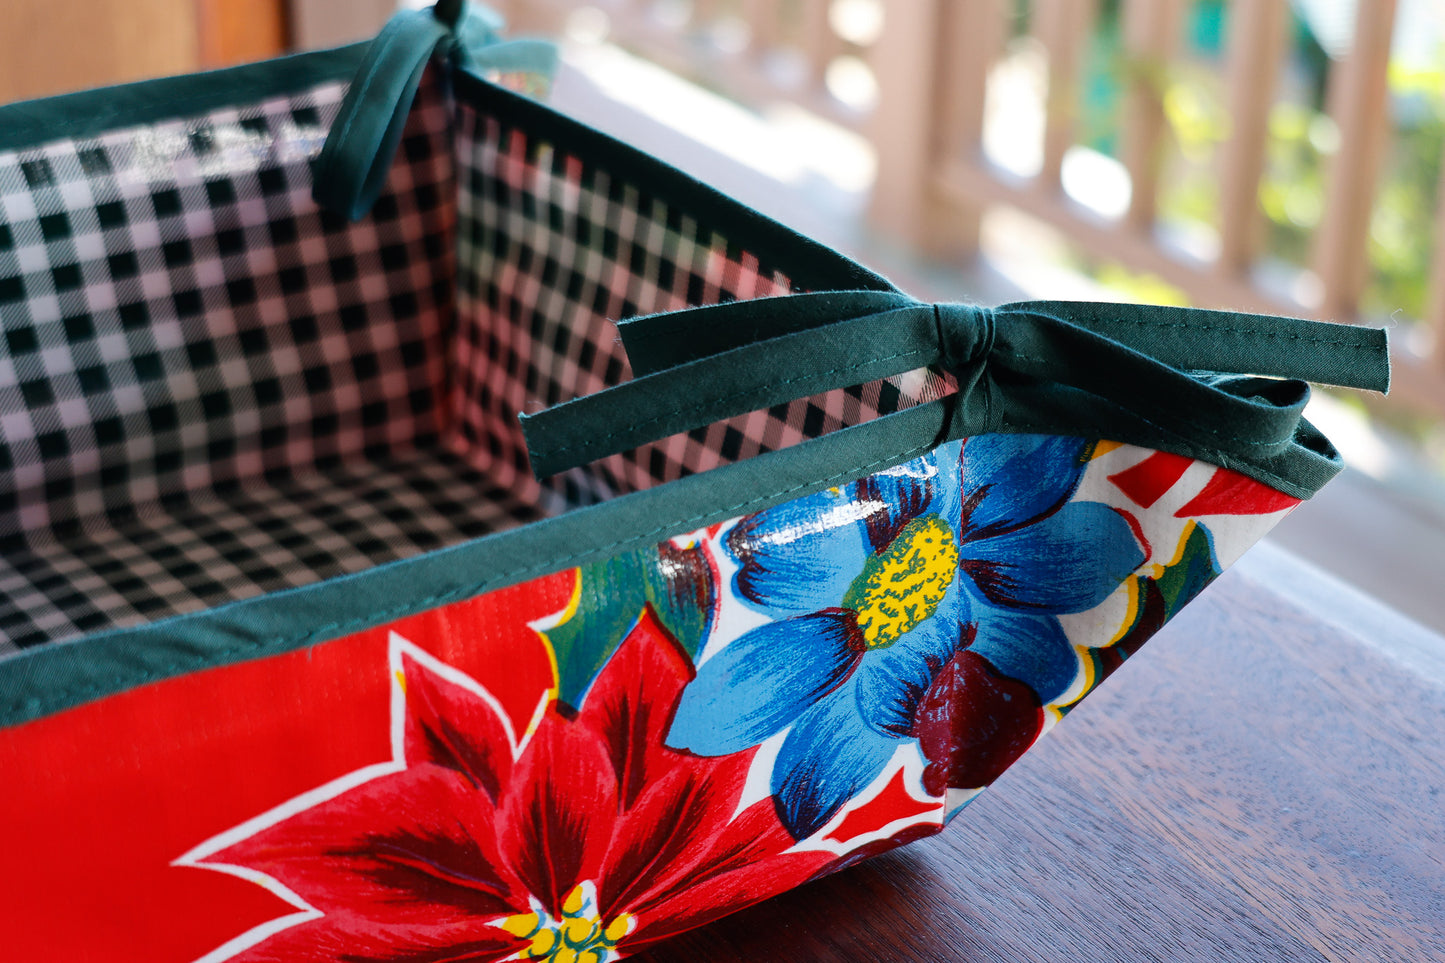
(302, 661)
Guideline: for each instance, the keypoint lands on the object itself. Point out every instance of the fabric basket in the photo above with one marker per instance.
(311, 651)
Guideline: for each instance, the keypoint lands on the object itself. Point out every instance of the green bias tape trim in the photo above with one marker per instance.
(1141, 374)
(91, 113)
(1045, 367)
(351, 171)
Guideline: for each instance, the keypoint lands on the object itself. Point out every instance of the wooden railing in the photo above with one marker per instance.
(932, 60)
(962, 182)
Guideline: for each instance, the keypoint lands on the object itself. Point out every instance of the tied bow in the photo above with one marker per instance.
(1227, 386)
(351, 170)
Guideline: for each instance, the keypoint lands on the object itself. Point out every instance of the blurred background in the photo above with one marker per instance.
(1263, 155)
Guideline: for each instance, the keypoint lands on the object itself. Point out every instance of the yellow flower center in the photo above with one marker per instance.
(578, 936)
(902, 586)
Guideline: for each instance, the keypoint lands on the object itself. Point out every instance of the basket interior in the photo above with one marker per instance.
(210, 390)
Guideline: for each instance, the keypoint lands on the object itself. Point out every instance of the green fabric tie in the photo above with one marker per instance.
(1201, 382)
(351, 171)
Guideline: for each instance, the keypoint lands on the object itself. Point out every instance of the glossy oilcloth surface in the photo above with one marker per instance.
(301, 662)
(622, 750)
(197, 417)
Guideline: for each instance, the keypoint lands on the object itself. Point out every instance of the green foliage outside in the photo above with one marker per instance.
(1301, 139)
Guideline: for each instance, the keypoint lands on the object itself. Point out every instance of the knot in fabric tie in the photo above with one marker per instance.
(350, 172)
(965, 336)
(1229, 388)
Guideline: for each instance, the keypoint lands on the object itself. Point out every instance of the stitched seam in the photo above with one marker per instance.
(330, 631)
(702, 406)
(366, 83)
(943, 344)
(1180, 419)
(388, 41)
(1237, 332)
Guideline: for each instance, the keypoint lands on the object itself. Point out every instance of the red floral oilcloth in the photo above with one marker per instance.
(581, 765)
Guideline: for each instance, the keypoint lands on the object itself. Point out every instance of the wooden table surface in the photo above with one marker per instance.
(1264, 781)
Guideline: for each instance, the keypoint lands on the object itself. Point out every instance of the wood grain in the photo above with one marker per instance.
(54, 46)
(329, 23)
(1359, 102)
(1151, 33)
(241, 31)
(1261, 783)
(1258, 41)
(932, 64)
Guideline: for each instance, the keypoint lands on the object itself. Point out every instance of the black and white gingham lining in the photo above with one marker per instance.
(210, 390)
(177, 313)
(553, 250)
(241, 539)
(178, 317)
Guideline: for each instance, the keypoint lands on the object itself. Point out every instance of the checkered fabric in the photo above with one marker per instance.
(553, 249)
(177, 313)
(239, 540)
(177, 318)
(209, 389)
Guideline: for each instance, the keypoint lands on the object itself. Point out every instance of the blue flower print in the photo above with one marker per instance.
(862, 585)
(1028, 553)
(873, 588)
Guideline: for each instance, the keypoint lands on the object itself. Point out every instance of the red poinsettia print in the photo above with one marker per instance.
(581, 839)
